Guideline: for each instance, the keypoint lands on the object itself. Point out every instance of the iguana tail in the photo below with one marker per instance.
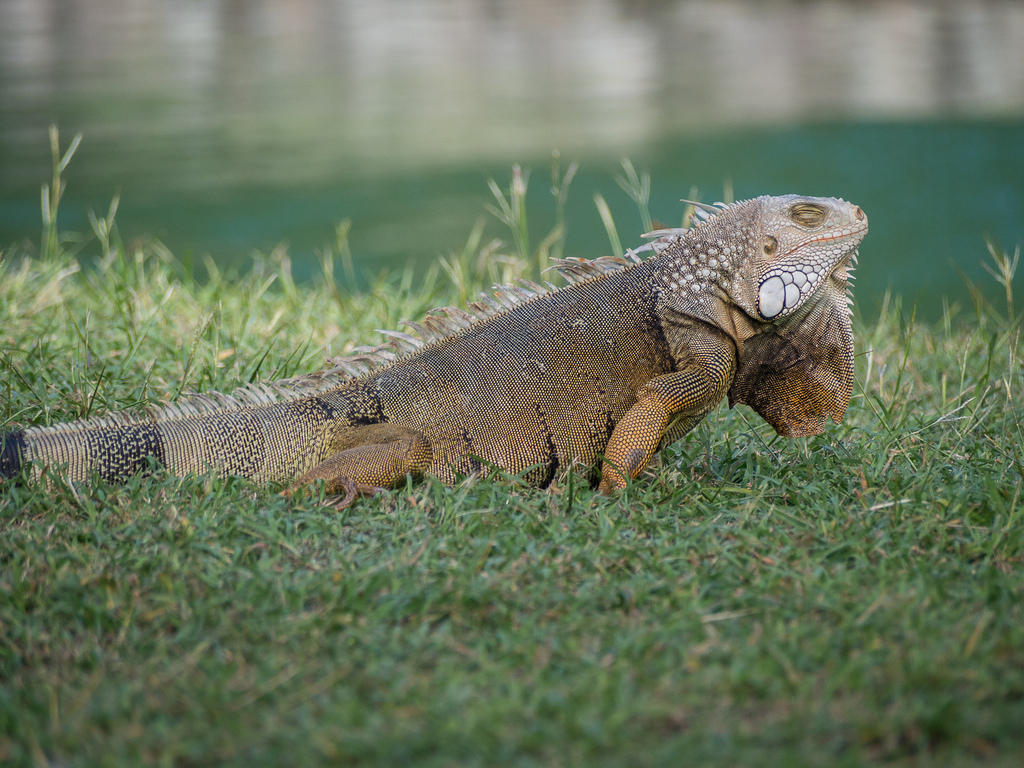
(236, 435)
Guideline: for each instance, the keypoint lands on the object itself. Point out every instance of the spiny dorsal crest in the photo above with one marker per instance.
(660, 239)
(444, 322)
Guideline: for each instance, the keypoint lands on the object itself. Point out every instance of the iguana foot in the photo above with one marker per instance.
(352, 489)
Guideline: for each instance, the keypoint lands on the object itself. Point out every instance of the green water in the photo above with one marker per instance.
(230, 127)
(932, 192)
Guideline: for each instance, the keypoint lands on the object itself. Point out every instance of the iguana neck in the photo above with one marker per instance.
(695, 271)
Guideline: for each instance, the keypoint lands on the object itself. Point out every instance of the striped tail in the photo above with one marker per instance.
(265, 442)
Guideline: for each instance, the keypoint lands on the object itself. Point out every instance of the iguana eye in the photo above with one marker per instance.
(770, 246)
(807, 214)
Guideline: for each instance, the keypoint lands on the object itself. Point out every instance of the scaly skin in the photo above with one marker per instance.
(751, 302)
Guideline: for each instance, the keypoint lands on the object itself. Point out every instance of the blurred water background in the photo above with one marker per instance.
(233, 125)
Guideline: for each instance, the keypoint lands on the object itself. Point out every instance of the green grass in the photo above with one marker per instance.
(856, 597)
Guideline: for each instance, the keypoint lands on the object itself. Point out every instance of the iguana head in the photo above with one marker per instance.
(799, 248)
(797, 369)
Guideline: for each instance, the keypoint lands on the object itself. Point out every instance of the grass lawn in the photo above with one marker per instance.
(852, 598)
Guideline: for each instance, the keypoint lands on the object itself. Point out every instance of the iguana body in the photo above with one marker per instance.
(751, 302)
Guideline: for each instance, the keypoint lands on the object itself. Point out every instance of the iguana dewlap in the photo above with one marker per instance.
(751, 302)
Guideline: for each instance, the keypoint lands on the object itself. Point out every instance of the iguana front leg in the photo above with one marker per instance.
(368, 457)
(686, 394)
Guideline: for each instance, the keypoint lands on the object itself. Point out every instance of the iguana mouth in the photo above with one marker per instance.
(856, 231)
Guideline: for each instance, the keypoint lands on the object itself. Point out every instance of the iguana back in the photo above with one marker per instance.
(532, 389)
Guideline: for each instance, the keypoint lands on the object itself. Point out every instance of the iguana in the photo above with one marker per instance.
(749, 302)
